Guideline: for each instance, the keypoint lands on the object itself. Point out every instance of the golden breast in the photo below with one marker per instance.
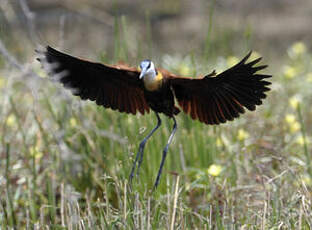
(153, 83)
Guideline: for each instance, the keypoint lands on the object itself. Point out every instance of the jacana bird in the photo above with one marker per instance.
(211, 99)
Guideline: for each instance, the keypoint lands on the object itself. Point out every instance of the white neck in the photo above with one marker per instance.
(150, 76)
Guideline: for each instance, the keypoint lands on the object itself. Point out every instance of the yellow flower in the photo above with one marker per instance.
(242, 135)
(219, 142)
(301, 141)
(294, 102)
(307, 180)
(214, 170)
(309, 77)
(290, 118)
(35, 152)
(289, 72)
(293, 124)
(231, 60)
(11, 120)
(298, 48)
(294, 127)
(73, 122)
(184, 70)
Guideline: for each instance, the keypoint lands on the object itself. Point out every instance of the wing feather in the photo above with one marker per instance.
(132, 104)
(126, 102)
(193, 106)
(200, 112)
(222, 98)
(222, 108)
(115, 87)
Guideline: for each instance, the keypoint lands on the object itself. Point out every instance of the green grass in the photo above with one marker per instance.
(64, 163)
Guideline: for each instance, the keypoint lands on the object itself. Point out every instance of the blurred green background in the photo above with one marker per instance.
(162, 27)
(64, 163)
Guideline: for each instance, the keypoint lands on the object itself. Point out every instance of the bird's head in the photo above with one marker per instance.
(147, 69)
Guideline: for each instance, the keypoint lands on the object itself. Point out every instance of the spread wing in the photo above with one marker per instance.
(118, 88)
(215, 100)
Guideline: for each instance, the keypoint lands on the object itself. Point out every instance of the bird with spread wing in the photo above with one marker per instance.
(212, 99)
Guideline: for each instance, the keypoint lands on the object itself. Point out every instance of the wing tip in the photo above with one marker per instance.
(41, 49)
(243, 61)
(50, 66)
(258, 68)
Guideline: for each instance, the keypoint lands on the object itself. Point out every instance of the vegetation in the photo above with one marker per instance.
(65, 162)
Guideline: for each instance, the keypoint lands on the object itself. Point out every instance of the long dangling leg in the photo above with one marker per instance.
(143, 144)
(141, 149)
(175, 126)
